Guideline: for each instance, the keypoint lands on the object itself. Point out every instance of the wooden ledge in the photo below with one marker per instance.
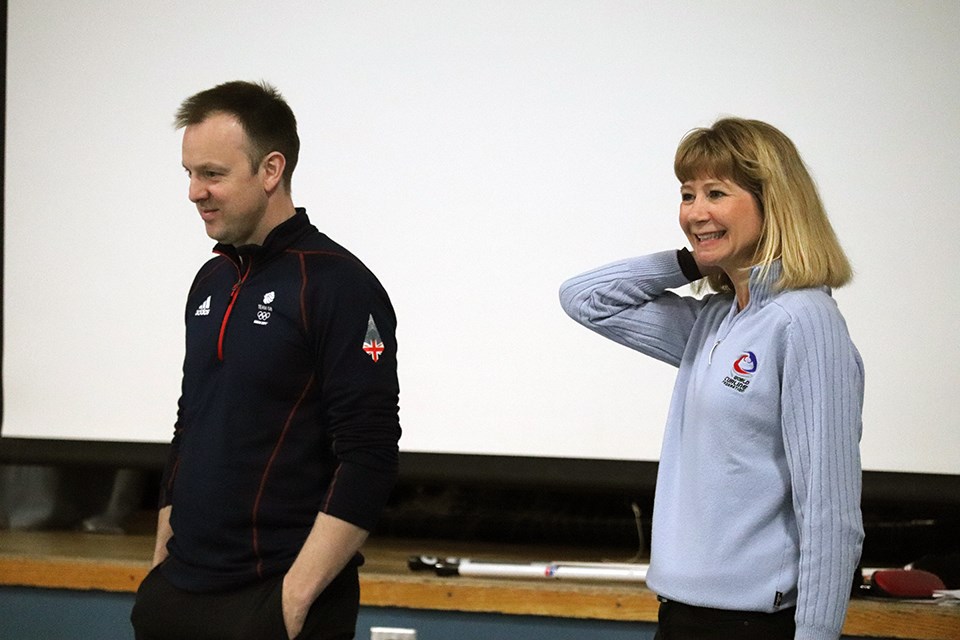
(64, 560)
(68, 560)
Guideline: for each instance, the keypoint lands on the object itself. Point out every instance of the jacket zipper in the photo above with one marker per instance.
(715, 345)
(234, 292)
(726, 327)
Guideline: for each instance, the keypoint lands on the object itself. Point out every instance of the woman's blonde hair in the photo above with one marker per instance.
(763, 161)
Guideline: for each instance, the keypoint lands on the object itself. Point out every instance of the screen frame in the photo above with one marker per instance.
(525, 472)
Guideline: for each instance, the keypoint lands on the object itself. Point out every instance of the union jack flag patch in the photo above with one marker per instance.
(372, 344)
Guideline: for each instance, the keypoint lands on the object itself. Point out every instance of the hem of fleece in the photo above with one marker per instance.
(816, 633)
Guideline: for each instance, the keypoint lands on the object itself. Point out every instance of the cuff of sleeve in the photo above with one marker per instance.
(359, 495)
(688, 265)
(815, 633)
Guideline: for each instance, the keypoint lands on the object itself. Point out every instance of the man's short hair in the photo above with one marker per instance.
(265, 116)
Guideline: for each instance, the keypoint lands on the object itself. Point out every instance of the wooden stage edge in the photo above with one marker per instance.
(76, 561)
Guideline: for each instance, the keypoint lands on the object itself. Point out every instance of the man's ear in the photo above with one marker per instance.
(272, 167)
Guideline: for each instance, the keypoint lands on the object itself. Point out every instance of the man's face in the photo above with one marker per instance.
(230, 196)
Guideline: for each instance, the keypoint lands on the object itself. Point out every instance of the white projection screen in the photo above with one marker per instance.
(474, 154)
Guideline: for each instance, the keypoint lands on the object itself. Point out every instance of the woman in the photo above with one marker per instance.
(756, 527)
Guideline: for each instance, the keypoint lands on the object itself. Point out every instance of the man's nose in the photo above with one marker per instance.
(197, 190)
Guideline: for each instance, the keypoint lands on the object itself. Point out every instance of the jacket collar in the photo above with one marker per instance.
(276, 242)
(763, 285)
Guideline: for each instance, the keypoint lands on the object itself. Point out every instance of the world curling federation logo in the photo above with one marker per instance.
(742, 371)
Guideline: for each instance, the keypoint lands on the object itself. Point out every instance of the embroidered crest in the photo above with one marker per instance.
(264, 310)
(372, 344)
(746, 364)
(742, 370)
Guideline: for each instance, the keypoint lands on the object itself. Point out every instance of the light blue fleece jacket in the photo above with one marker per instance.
(757, 502)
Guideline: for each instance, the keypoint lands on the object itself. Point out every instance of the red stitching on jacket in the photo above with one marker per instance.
(303, 289)
(266, 474)
(330, 489)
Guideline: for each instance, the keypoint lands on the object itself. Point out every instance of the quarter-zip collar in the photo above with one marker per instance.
(762, 289)
(762, 285)
(276, 242)
(252, 256)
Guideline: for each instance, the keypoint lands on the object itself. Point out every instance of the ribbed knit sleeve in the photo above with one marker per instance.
(822, 399)
(628, 302)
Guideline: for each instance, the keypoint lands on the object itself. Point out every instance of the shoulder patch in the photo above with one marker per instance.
(372, 343)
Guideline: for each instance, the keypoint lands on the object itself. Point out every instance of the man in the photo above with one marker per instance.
(285, 447)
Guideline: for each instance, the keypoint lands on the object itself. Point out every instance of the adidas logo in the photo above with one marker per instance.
(204, 308)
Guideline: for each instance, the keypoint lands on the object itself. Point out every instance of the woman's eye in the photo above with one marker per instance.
(716, 194)
(686, 197)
